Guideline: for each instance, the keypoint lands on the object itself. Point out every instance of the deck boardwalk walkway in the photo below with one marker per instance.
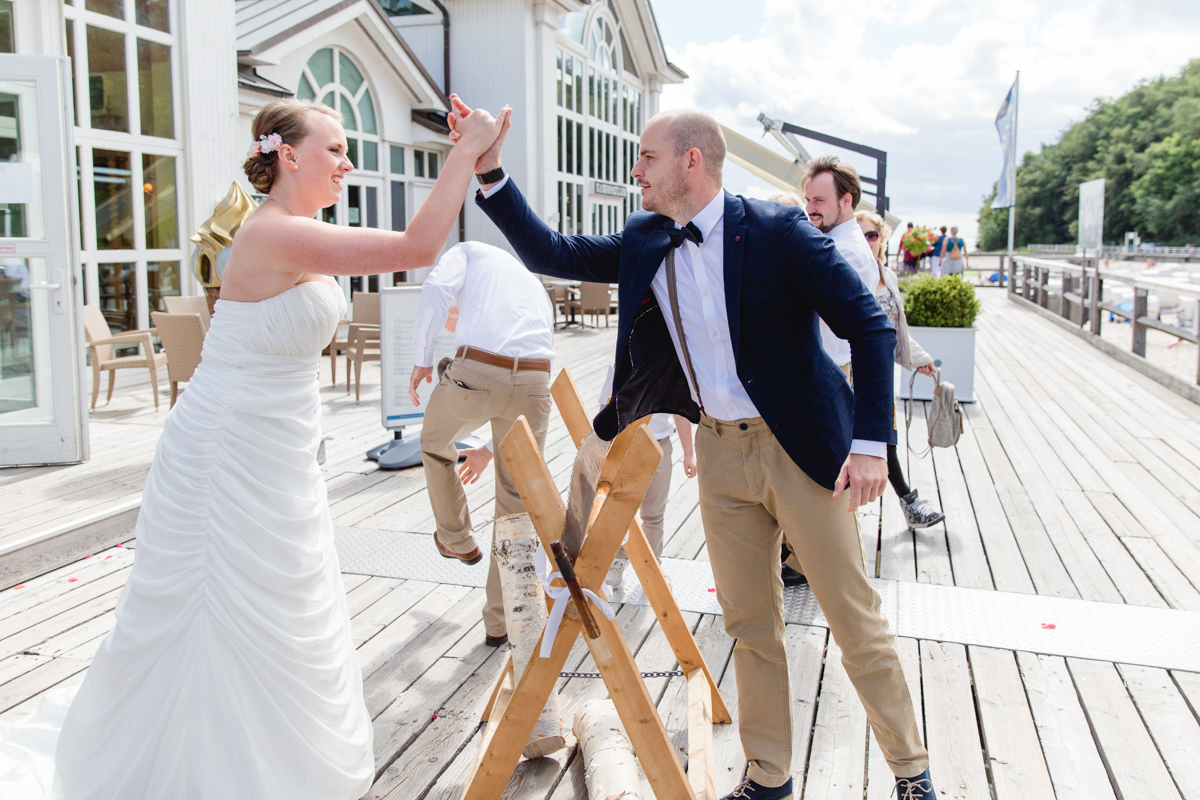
(1075, 478)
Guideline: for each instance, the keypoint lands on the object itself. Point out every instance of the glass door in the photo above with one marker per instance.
(41, 364)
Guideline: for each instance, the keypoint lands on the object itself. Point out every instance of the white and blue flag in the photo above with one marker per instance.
(1006, 127)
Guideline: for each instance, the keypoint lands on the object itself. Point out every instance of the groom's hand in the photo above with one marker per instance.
(490, 159)
(862, 479)
(474, 129)
(418, 374)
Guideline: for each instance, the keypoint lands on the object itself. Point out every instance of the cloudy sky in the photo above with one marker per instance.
(920, 79)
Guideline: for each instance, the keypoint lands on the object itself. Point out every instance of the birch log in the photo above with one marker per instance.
(609, 767)
(514, 544)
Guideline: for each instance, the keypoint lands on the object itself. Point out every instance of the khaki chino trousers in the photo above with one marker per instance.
(487, 394)
(751, 490)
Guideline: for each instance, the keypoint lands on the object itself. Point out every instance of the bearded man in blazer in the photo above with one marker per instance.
(719, 297)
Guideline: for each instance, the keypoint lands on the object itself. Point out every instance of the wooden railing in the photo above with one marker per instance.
(1141, 252)
(1079, 292)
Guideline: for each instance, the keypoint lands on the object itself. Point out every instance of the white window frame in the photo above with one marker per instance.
(76, 19)
(625, 135)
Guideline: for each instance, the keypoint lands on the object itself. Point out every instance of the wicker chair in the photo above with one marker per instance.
(362, 345)
(101, 351)
(594, 299)
(337, 346)
(192, 304)
(559, 298)
(182, 337)
(362, 338)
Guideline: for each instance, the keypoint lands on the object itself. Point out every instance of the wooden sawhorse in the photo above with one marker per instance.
(513, 710)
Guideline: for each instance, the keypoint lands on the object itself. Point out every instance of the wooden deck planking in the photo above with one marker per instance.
(1128, 750)
(1014, 752)
(1074, 477)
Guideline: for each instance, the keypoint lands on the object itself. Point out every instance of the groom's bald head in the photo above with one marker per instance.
(687, 128)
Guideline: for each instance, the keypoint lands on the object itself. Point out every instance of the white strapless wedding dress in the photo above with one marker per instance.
(231, 672)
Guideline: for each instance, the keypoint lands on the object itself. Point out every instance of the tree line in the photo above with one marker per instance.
(1145, 144)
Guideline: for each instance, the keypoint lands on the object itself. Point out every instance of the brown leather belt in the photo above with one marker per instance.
(485, 357)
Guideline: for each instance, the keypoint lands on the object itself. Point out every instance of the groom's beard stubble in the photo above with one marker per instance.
(669, 196)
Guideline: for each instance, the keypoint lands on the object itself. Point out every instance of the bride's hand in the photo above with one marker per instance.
(490, 159)
(477, 129)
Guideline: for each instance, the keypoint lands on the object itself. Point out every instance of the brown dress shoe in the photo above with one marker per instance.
(473, 557)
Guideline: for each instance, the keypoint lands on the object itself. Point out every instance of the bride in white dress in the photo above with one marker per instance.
(231, 672)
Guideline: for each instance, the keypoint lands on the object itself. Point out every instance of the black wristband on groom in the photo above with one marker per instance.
(491, 176)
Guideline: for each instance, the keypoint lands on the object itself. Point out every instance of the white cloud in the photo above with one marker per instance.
(922, 79)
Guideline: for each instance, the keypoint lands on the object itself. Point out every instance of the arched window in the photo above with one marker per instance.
(601, 45)
(331, 76)
(599, 99)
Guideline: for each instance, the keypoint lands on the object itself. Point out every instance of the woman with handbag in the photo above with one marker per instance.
(910, 355)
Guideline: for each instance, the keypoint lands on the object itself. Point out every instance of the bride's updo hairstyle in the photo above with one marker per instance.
(282, 122)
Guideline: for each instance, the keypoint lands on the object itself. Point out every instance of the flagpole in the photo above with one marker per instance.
(1012, 167)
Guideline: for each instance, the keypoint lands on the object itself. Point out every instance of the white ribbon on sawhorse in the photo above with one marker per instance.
(561, 595)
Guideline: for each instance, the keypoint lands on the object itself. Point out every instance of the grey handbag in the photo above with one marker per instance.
(945, 416)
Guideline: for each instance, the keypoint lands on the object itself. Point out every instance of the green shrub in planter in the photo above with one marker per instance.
(906, 281)
(946, 302)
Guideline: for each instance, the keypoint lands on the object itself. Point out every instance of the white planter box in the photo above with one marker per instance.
(953, 351)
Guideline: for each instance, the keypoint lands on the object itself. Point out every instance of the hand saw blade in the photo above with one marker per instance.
(581, 493)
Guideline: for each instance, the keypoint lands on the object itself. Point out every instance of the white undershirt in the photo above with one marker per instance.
(852, 245)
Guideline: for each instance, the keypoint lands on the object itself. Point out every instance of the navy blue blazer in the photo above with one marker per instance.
(780, 274)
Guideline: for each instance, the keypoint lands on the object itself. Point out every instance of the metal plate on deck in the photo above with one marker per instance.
(1153, 637)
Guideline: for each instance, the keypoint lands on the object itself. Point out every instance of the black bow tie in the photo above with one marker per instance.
(687, 233)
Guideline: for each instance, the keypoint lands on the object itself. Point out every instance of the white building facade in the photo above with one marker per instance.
(164, 92)
(582, 79)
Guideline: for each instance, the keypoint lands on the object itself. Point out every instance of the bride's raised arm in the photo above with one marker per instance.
(302, 170)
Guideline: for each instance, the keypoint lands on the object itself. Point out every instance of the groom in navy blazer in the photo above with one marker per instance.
(719, 298)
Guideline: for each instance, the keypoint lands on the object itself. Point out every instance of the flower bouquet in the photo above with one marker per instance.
(918, 241)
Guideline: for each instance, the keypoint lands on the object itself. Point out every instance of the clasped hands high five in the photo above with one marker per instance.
(463, 121)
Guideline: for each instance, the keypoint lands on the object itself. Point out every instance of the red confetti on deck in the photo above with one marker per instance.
(72, 580)
(1048, 626)
(19, 586)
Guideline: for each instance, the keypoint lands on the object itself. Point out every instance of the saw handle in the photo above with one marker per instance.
(563, 561)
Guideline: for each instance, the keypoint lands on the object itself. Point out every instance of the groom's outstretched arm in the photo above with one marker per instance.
(543, 249)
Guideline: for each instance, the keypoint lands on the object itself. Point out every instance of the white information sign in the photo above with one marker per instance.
(397, 315)
(1091, 216)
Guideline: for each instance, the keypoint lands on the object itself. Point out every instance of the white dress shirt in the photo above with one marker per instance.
(502, 307)
(700, 286)
(852, 245)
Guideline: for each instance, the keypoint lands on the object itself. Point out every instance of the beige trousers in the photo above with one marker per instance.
(750, 490)
(487, 394)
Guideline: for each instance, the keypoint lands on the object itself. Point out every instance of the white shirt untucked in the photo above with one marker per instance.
(502, 307)
(849, 240)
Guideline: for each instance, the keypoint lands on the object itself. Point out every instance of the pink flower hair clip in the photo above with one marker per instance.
(267, 143)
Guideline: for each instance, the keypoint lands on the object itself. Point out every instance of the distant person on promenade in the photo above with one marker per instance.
(911, 262)
(910, 355)
(936, 257)
(954, 253)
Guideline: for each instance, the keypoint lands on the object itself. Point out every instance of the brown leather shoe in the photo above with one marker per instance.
(473, 557)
